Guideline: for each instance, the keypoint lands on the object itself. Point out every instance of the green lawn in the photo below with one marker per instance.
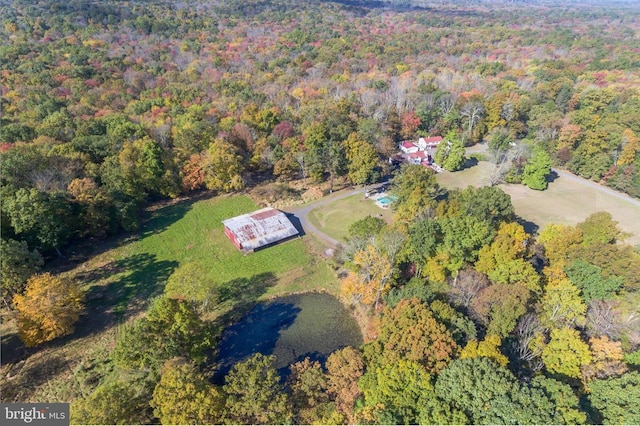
(336, 217)
(565, 201)
(121, 280)
(473, 176)
(192, 234)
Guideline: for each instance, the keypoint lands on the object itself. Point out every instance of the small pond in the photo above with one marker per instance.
(291, 328)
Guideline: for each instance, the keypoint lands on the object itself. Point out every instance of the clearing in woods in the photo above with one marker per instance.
(121, 280)
(568, 200)
(336, 217)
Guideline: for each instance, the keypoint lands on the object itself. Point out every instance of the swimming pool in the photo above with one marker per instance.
(386, 201)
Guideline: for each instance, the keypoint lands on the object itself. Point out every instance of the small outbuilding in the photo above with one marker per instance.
(252, 231)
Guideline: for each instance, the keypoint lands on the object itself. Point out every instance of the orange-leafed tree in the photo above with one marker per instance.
(372, 279)
(608, 359)
(49, 308)
(344, 369)
(410, 331)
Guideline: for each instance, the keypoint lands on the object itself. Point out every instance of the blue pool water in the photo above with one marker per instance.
(386, 200)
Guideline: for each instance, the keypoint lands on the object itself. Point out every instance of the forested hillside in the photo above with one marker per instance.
(106, 105)
(110, 105)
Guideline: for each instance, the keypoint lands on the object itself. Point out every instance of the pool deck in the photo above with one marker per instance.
(383, 195)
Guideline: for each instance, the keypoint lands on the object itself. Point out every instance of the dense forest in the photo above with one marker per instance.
(106, 105)
(110, 105)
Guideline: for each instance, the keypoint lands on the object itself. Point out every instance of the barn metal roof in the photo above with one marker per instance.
(262, 227)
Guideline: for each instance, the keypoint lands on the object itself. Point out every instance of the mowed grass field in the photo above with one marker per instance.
(335, 218)
(192, 233)
(565, 201)
(121, 281)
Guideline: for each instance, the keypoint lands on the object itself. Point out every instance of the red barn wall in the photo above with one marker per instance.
(232, 237)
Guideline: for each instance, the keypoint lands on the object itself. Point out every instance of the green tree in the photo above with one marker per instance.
(489, 394)
(114, 403)
(191, 132)
(566, 353)
(633, 359)
(17, 264)
(566, 405)
(396, 392)
(488, 203)
(363, 160)
(171, 329)
(536, 171)
(42, 218)
(184, 396)
(416, 189)
(599, 228)
(255, 395)
(325, 147)
(186, 282)
(366, 228)
(49, 308)
(590, 280)
(223, 168)
(450, 154)
(462, 238)
(435, 411)
(500, 140)
(461, 327)
(617, 400)
(57, 125)
(143, 169)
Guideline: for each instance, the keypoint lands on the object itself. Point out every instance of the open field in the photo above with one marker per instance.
(335, 218)
(120, 281)
(566, 201)
(192, 233)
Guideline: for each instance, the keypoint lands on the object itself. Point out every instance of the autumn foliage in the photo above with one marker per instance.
(49, 308)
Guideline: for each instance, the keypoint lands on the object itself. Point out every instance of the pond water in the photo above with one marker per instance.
(291, 328)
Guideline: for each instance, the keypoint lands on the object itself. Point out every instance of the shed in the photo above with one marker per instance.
(258, 229)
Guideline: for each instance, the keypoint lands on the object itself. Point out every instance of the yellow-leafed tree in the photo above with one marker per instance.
(372, 279)
(49, 308)
(629, 148)
(489, 348)
(185, 396)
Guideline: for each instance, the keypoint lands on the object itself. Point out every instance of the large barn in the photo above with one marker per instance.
(251, 231)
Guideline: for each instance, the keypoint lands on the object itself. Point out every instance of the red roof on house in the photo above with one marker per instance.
(433, 139)
(408, 145)
(419, 154)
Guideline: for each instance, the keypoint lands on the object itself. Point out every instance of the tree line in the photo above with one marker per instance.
(106, 108)
(471, 320)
